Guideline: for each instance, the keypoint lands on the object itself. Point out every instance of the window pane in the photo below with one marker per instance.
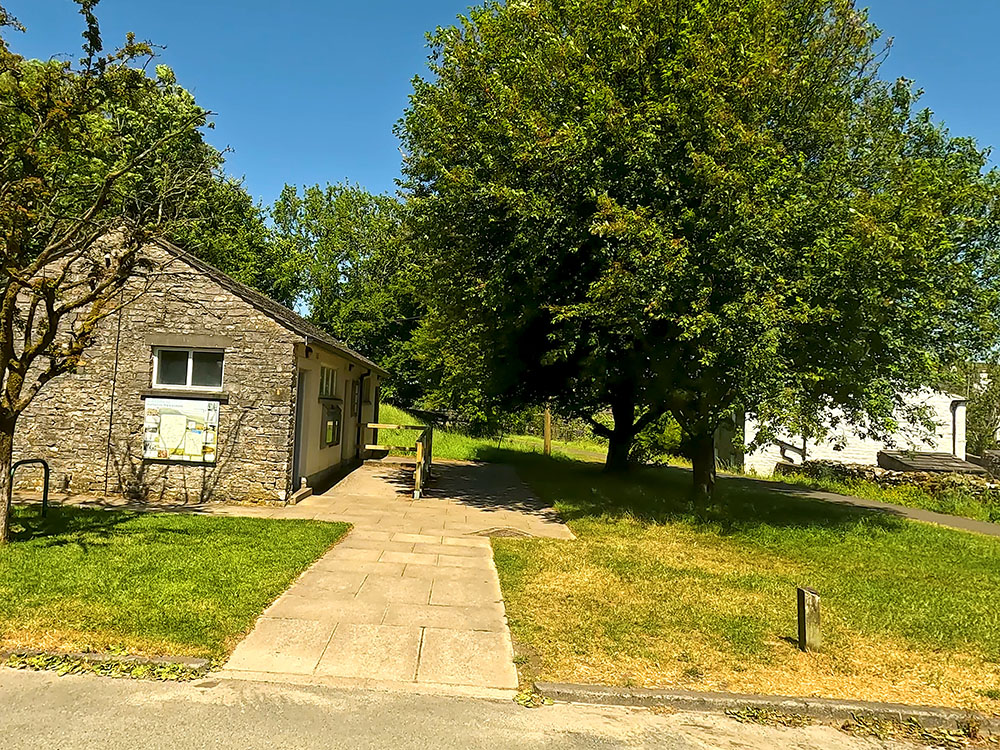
(173, 367)
(206, 370)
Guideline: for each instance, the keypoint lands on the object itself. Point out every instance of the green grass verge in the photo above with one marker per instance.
(953, 501)
(150, 584)
(449, 444)
(653, 594)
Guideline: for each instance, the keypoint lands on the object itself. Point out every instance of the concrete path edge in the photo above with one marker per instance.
(822, 709)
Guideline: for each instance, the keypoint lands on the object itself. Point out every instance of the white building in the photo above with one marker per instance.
(843, 445)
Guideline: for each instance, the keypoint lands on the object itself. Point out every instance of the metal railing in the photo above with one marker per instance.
(423, 450)
(45, 477)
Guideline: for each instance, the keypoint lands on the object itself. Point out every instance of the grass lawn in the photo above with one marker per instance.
(651, 595)
(151, 584)
(954, 502)
(459, 447)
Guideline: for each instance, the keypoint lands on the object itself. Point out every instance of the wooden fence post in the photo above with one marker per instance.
(418, 471)
(547, 431)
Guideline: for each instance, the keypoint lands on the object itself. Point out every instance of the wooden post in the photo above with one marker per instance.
(810, 638)
(547, 431)
(418, 470)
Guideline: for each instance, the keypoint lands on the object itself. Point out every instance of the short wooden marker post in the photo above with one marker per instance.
(547, 432)
(810, 638)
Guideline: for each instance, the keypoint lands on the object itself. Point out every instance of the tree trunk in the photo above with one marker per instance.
(620, 442)
(6, 488)
(619, 447)
(703, 468)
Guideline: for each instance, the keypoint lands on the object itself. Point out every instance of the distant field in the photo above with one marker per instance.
(456, 446)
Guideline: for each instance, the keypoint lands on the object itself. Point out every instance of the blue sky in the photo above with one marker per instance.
(308, 91)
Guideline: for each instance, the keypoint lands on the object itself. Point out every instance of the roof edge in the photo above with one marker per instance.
(287, 319)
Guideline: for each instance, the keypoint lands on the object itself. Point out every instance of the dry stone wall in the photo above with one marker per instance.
(933, 483)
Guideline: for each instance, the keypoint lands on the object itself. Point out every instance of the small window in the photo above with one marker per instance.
(327, 382)
(367, 396)
(332, 418)
(187, 368)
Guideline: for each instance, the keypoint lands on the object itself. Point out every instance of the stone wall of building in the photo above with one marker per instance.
(89, 425)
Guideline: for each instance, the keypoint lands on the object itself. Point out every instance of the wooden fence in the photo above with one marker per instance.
(423, 449)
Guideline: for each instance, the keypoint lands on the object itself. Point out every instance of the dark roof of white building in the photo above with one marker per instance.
(272, 309)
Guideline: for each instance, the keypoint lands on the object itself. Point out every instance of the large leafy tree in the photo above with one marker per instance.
(690, 207)
(356, 272)
(225, 227)
(95, 159)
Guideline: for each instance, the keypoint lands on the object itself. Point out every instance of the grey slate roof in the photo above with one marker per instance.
(274, 310)
(930, 462)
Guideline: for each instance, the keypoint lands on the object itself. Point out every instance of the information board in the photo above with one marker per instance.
(181, 430)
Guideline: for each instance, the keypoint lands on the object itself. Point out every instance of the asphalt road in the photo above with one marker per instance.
(40, 710)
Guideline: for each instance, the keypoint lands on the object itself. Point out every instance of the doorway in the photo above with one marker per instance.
(298, 448)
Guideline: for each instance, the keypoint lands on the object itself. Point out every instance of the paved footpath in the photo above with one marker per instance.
(900, 511)
(411, 597)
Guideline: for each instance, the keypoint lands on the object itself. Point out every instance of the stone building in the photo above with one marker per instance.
(199, 388)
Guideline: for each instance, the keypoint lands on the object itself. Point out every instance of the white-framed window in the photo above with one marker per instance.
(332, 419)
(194, 369)
(327, 382)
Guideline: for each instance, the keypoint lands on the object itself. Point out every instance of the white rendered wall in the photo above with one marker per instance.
(948, 413)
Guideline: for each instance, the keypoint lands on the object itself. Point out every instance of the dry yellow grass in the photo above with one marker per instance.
(53, 640)
(884, 673)
(649, 596)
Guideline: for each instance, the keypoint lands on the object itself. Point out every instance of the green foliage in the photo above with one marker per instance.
(686, 206)
(357, 272)
(96, 158)
(862, 725)
(661, 437)
(226, 228)
(116, 668)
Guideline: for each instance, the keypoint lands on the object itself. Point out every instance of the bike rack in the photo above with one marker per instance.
(45, 469)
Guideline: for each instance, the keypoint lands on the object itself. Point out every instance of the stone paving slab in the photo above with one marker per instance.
(293, 646)
(411, 596)
(462, 657)
(378, 652)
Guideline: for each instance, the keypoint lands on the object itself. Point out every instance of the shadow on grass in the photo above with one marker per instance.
(658, 495)
(65, 525)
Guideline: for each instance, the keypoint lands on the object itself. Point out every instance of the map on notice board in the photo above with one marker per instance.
(181, 430)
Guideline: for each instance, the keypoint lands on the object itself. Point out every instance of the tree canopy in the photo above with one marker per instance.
(225, 227)
(676, 206)
(355, 272)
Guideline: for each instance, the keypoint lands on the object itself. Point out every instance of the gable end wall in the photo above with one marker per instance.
(89, 425)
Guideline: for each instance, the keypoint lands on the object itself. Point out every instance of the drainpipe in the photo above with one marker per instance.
(954, 428)
(361, 413)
